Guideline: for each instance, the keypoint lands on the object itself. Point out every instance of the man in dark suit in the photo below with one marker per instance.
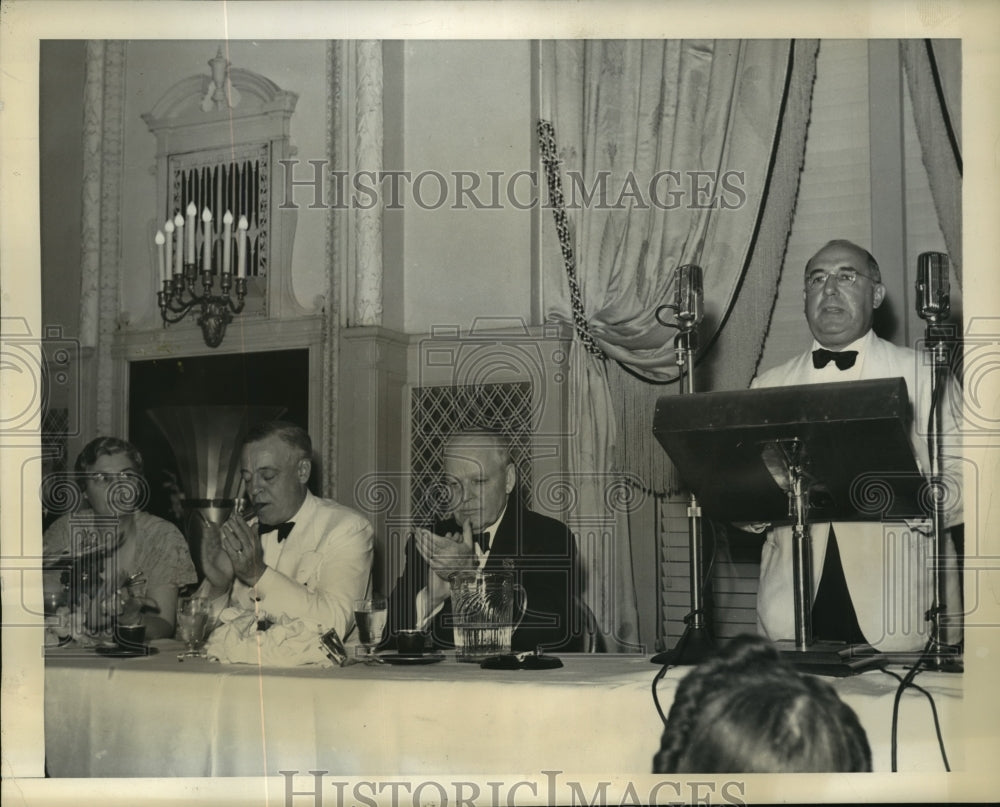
(489, 529)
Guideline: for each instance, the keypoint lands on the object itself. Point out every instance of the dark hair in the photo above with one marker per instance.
(843, 242)
(293, 435)
(749, 711)
(104, 447)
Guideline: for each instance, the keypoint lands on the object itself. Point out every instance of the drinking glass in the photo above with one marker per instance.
(192, 625)
(370, 615)
(54, 598)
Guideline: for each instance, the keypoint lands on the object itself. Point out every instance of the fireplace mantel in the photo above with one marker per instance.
(184, 340)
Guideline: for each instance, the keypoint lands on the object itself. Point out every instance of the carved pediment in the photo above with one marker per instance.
(224, 93)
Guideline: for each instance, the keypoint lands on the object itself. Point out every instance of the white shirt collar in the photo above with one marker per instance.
(860, 344)
(272, 547)
(302, 512)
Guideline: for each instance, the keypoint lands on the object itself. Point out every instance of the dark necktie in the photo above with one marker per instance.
(282, 529)
(483, 539)
(843, 359)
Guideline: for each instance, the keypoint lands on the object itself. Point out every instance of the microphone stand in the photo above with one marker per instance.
(696, 643)
(933, 306)
(939, 655)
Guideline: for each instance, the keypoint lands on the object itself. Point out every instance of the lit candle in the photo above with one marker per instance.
(227, 235)
(206, 264)
(179, 227)
(241, 248)
(192, 211)
(168, 230)
(159, 255)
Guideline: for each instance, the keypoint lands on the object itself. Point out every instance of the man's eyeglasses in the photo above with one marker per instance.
(844, 278)
(105, 478)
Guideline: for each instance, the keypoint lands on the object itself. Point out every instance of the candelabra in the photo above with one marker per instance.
(178, 294)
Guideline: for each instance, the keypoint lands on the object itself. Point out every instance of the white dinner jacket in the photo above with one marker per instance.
(318, 571)
(885, 564)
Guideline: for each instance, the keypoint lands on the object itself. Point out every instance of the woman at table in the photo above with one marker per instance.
(748, 711)
(141, 547)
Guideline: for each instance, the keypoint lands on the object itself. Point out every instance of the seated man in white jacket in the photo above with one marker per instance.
(306, 557)
(871, 580)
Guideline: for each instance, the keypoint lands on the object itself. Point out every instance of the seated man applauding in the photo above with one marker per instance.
(489, 529)
(306, 558)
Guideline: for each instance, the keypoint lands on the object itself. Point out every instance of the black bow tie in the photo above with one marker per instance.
(282, 529)
(483, 539)
(843, 359)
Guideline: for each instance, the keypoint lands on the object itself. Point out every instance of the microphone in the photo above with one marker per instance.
(689, 299)
(933, 289)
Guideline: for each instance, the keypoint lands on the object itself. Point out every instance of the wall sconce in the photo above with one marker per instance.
(179, 271)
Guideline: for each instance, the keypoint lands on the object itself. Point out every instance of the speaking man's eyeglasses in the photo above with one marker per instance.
(844, 278)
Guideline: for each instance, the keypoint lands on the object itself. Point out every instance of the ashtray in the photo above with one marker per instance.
(410, 658)
(521, 661)
(120, 651)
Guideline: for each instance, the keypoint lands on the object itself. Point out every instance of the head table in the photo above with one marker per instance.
(157, 717)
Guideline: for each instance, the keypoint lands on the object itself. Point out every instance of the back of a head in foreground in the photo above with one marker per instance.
(748, 711)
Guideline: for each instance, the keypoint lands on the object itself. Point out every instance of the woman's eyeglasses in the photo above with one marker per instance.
(105, 478)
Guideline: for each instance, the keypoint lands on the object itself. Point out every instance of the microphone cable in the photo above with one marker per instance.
(682, 642)
(657, 678)
(906, 682)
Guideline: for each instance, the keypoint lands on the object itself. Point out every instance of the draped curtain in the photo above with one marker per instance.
(664, 154)
(934, 76)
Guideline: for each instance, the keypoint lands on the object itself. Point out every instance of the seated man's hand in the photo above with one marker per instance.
(445, 554)
(242, 544)
(214, 560)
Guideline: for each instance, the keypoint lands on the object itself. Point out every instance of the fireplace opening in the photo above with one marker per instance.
(249, 382)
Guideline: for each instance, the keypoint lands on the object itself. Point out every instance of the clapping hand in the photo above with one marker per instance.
(242, 544)
(214, 560)
(445, 554)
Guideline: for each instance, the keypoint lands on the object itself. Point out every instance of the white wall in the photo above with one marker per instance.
(467, 107)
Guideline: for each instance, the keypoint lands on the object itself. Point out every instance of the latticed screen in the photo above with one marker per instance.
(238, 181)
(55, 428)
(437, 412)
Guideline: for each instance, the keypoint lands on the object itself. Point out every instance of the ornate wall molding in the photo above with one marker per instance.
(112, 145)
(368, 223)
(336, 129)
(93, 132)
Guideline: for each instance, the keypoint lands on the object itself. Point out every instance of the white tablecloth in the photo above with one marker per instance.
(157, 717)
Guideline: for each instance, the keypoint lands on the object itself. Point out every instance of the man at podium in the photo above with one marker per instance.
(871, 581)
